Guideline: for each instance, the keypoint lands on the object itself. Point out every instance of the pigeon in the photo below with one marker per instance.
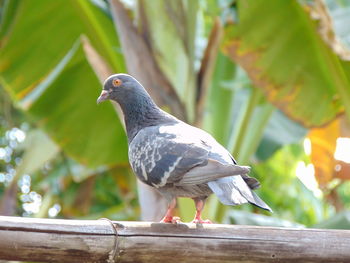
(177, 159)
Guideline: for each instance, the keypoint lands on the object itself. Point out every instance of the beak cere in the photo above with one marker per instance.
(103, 96)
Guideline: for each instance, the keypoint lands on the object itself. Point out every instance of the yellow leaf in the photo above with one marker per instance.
(323, 144)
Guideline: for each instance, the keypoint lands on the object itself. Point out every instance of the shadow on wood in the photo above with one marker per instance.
(58, 240)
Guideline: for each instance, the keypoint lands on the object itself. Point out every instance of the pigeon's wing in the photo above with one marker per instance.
(179, 154)
(159, 156)
(213, 170)
(220, 163)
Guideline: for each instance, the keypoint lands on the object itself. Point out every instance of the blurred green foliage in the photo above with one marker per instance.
(73, 161)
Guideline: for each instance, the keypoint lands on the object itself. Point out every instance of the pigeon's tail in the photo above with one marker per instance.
(234, 190)
(251, 182)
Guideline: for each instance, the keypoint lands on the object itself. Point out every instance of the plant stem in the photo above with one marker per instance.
(245, 139)
(45, 206)
(254, 133)
(237, 139)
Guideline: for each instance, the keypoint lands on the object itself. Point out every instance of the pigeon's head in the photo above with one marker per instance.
(119, 87)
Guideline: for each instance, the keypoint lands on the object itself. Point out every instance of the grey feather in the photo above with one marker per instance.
(211, 171)
(159, 158)
(234, 191)
(163, 157)
(227, 193)
(251, 182)
(178, 159)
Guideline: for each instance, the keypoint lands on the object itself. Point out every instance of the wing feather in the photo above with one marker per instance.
(211, 171)
(159, 158)
(180, 155)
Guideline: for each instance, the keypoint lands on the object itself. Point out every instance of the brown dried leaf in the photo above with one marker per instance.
(318, 11)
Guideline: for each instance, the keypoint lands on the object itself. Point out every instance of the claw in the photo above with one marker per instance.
(199, 207)
(171, 219)
(166, 219)
(176, 220)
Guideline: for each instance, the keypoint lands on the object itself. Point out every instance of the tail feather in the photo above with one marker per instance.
(251, 182)
(260, 203)
(234, 190)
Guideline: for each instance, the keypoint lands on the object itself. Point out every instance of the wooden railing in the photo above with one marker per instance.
(58, 240)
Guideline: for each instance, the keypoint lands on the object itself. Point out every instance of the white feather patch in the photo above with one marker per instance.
(144, 174)
(167, 173)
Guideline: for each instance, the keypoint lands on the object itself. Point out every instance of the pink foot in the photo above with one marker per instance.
(166, 219)
(171, 219)
(176, 220)
(200, 221)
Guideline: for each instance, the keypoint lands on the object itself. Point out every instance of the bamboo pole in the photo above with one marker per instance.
(58, 240)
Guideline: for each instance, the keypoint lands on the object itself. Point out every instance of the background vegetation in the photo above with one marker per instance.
(269, 79)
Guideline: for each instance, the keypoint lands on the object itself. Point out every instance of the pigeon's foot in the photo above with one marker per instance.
(176, 220)
(171, 219)
(201, 221)
(199, 207)
(166, 219)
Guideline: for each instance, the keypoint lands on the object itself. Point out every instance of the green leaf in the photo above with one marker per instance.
(242, 123)
(91, 133)
(51, 40)
(255, 131)
(218, 114)
(48, 75)
(281, 48)
(7, 12)
(284, 192)
(280, 131)
(100, 30)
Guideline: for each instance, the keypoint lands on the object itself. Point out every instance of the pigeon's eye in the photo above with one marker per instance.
(117, 82)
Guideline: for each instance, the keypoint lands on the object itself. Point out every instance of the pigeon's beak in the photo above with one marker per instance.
(103, 96)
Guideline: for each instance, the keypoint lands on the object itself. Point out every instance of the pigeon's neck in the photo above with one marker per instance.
(140, 112)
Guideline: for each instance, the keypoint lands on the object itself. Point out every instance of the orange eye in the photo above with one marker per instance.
(117, 82)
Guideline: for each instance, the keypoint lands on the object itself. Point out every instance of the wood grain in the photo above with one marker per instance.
(49, 240)
(230, 243)
(53, 240)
